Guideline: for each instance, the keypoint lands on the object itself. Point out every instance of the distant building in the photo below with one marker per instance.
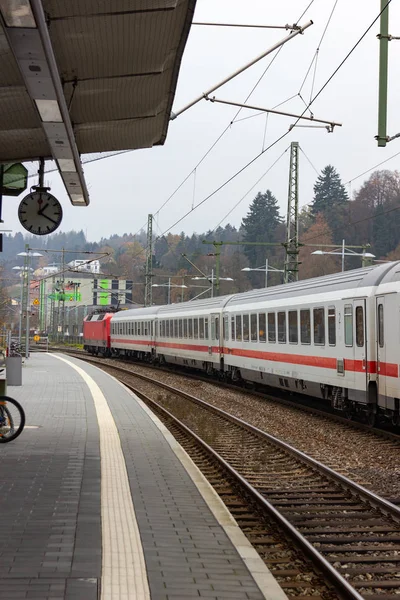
(86, 266)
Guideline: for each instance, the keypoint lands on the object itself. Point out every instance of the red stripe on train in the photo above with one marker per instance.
(350, 365)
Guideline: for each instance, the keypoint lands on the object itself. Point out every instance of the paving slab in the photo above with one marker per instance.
(64, 502)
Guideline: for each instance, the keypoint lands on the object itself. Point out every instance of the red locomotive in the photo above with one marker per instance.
(96, 333)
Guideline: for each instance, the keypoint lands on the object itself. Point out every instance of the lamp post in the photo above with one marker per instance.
(266, 269)
(169, 285)
(343, 251)
(22, 274)
(28, 255)
(211, 279)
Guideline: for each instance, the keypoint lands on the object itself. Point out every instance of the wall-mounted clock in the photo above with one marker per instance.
(40, 212)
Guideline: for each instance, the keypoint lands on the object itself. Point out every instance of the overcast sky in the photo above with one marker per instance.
(125, 188)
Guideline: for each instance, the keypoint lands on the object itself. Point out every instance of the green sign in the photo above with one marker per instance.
(15, 179)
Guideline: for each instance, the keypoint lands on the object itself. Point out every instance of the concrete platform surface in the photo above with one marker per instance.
(97, 500)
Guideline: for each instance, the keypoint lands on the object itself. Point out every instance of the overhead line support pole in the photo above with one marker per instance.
(148, 290)
(291, 268)
(331, 124)
(383, 73)
(246, 66)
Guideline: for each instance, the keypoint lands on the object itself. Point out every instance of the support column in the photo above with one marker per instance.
(291, 269)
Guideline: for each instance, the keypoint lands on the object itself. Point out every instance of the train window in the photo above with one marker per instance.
(185, 328)
(238, 328)
(176, 328)
(217, 328)
(271, 327)
(195, 328)
(293, 327)
(253, 327)
(206, 328)
(348, 324)
(161, 328)
(282, 327)
(305, 327)
(332, 326)
(201, 328)
(319, 326)
(151, 327)
(226, 327)
(171, 328)
(246, 327)
(180, 328)
(261, 327)
(190, 328)
(381, 338)
(233, 328)
(359, 326)
(146, 328)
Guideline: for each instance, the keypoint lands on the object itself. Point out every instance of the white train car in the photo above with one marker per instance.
(190, 333)
(387, 311)
(133, 332)
(316, 337)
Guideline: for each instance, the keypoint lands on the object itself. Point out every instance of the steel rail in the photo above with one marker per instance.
(339, 582)
(375, 500)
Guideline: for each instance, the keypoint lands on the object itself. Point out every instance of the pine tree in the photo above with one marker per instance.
(331, 200)
(259, 225)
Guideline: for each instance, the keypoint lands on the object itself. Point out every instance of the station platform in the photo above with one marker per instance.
(98, 500)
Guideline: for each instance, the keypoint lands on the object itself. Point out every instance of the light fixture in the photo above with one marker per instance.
(78, 200)
(17, 13)
(49, 111)
(66, 165)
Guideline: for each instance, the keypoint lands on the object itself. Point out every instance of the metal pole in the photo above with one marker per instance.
(21, 307)
(212, 283)
(169, 290)
(383, 73)
(246, 66)
(183, 289)
(217, 265)
(342, 256)
(266, 272)
(1, 191)
(63, 293)
(27, 306)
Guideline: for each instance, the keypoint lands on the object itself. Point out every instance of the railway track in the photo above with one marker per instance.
(351, 536)
(299, 404)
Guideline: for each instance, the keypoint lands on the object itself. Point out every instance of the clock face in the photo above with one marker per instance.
(40, 213)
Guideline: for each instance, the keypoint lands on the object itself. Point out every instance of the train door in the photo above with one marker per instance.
(215, 332)
(360, 346)
(381, 347)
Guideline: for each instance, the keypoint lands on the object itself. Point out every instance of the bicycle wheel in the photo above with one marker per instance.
(12, 419)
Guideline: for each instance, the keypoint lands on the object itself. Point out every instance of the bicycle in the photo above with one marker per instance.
(12, 419)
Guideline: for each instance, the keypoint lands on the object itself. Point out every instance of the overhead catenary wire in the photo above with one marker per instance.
(242, 169)
(251, 189)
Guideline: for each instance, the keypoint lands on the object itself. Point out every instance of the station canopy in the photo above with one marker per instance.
(87, 76)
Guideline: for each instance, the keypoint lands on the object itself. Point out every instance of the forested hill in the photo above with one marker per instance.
(371, 216)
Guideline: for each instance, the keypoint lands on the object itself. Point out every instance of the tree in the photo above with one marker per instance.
(314, 265)
(260, 225)
(331, 199)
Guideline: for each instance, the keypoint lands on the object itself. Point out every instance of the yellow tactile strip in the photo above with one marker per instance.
(123, 567)
(265, 580)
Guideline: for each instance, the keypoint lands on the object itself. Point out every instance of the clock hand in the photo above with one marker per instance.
(42, 209)
(49, 218)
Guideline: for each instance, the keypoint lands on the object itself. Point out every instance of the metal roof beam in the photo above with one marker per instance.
(28, 36)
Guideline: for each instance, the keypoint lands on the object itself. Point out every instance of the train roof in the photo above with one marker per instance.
(367, 277)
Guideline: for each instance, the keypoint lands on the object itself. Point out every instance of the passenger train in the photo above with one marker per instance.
(335, 338)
